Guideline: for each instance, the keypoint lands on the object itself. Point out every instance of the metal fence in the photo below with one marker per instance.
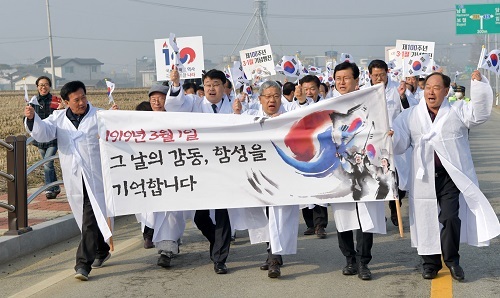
(17, 183)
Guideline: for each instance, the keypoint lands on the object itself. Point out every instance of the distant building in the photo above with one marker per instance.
(87, 70)
(29, 76)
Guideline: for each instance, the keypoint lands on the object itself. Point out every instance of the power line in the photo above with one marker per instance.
(233, 44)
(303, 17)
(23, 41)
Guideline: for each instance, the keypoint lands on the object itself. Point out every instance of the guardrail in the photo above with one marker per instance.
(17, 183)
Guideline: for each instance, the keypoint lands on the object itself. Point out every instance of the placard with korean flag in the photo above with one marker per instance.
(258, 62)
(411, 49)
(190, 55)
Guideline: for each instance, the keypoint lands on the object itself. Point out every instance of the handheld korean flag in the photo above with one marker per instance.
(417, 65)
(290, 66)
(26, 98)
(248, 90)
(313, 69)
(392, 64)
(177, 60)
(238, 74)
(346, 57)
(490, 62)
(111, 88)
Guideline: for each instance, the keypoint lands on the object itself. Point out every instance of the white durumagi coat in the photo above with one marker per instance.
(448, 137)
(281, 229)
(371, 214)
(80, 159)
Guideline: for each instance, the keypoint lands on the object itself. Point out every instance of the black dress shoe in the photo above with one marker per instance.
(429, 273)
(274, 270)
(364, 272)
(164, 260)
(309, 231)
(350, 269)
(264, 266)
(320, 232)
(220, 268)
(457, 272)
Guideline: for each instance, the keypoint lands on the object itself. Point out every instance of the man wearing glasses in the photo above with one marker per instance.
(365, 218)
(215, 101)
(315, 216)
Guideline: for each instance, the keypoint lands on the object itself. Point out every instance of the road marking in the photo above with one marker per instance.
(67, 273)
(441, 286)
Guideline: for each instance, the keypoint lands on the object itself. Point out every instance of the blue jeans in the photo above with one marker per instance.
(48, 168)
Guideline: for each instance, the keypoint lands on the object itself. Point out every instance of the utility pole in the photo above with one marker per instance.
(261, 15)
(50, 46)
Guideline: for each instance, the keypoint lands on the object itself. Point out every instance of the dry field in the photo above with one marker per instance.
(11, 122)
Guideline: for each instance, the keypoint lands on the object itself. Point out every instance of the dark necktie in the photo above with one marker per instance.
(214, 107)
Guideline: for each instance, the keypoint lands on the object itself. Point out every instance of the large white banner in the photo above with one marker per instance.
(190, 54)
(334, 151)
(258, 62)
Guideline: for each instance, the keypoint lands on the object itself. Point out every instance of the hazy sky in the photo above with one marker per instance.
(116, 32)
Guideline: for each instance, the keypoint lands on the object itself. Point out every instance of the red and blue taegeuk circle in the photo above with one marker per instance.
(494, 59)
(288, 67)
(416, 65)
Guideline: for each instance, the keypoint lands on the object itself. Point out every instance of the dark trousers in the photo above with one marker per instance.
(218, 234)
(447, 195)
(364, 243)
(92, 245)
(272, 257)
(318, 216)
(148, 233)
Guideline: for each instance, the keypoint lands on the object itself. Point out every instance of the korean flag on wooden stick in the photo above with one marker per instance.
(111, 88)
(290, 66)
(177, 60)
(490, 61)
(346, 57)
(33, 100)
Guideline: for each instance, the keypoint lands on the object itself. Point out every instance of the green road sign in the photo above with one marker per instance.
(478, 19)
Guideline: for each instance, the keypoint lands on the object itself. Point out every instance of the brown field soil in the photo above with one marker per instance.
(11, 123)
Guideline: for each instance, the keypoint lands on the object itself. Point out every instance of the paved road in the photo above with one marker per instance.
(315, 270)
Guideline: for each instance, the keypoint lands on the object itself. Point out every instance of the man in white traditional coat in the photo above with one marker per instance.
(417, 93)
(281, 230)
(446, 205)
(76, 131)
(315, 216)
(217, 231)
(167, 226)
(365, 218)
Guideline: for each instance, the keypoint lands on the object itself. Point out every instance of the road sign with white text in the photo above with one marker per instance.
(478, 19)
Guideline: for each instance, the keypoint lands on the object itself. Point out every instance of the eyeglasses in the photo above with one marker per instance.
(268, 97)
(379, 75)
(216, 85)
(156, 99)
(43, 85)
(345, 79)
